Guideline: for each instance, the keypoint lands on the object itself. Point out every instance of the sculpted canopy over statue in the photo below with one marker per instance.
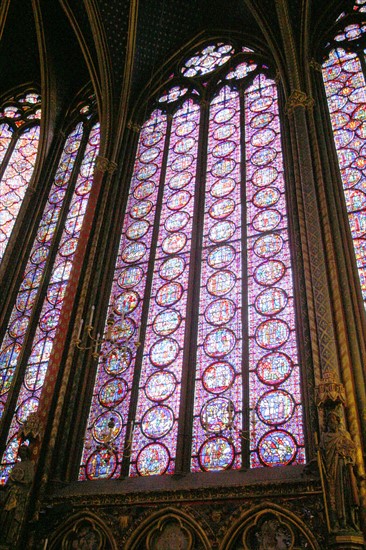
(339, 452)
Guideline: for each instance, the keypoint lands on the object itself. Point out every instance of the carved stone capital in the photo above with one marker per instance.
(330, 391)
(32, 428)
(298, 99)
(133, 126)
(104, 165)
(315, 65)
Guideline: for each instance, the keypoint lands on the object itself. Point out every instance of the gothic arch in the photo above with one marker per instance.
(83, 527)
(160, 528)
(264, 518)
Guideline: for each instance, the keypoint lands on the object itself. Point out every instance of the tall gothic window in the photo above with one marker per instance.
(203, 280)
(19, 136)
(26, 342)
(344, 73)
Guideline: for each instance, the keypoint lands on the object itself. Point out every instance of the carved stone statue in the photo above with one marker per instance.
(338, 453)
(273, 536)
(16, 495)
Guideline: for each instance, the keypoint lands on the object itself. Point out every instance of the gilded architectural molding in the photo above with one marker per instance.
(330, 390)
(298, 99)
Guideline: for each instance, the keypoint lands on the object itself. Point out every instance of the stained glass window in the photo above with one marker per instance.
(344, 79)
(19, 136)
(203, 283)
(27, 342)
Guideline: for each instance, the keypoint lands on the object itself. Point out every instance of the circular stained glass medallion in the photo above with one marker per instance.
(49, 321)
(275, 407)
(350, 177)
(176, 221)
(172, 268)
(224, 131)
(184, 145)
(218, 377)
(178, 200)
(141, 209)
(68, 248)
(261, 120)
(19, 326)
(223, 149)
(224, 115)
(263, 137)
(157, 422)
(266, 197)
(123, 330)
(144, 190)
(149, 155)
(137, 230)
(223, 167)
(160, 386)
(164, 352)
(269, 273)
(180, 180)
(181, 163)
(104, 433)
(222, 231)
(101, 464)
(25, 300)
(355, 199)
(130, 277)
(264, 156)
(217, 453)
(221, 209)
(126, 303)
(220, 311)
(221, 282)
(145, 172)
(222, 188)
(34, 376)
(219, 342)
(215, 414)
(186, 128)
(174, 243)
(271, 301)
(274, 368)
(277, 448)
(167, 322)
(272, 334)
(264, 176)
(153, 460)
(113, 392)
(117, 360)
(169, 294)
(133, 252)
(268, 245)
(261, 104)
(39, 255)
(151, 138)
(222, 256)
(27, 407)
(267, 220)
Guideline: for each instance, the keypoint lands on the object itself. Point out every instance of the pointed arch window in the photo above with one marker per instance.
(19, 137)
(26, 342)
(344, 72)
(203, 279)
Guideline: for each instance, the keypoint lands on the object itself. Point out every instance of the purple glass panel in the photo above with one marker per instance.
(164, 341)
(127, 298)
(37, 364)
(219, 353)
(274, 380)
(346, 91)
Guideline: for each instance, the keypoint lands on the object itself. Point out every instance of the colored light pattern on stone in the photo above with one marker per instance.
(221, 274)
(130, 275)
(37, 363)
(272, 341)
(346, 93)
(18, 152)
(168, 298)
